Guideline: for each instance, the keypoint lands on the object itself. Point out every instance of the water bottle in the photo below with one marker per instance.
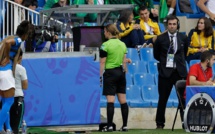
(24, 127)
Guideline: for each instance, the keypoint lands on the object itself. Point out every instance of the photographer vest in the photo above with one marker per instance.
(3, 55)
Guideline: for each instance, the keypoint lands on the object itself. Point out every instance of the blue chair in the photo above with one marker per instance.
(141, 79)
(213, 69)
(150, 94)
(146, 54)
(129, 79)
(162, 27)
(152, 67)
(156, 79)
(195, 13)
(194, 62)
(133, 54)
(194, 3)
(137, 67)
(173, 97)
(187, 66)
(134, 99)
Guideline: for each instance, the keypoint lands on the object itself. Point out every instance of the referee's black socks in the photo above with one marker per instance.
(124, 111)
(110, 113)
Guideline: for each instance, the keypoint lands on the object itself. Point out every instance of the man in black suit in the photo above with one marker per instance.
(170, 50)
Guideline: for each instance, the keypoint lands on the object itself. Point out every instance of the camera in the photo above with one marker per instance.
(45, 33)
(40, 34)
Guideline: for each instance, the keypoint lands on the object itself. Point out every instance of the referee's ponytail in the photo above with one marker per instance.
(111, 28)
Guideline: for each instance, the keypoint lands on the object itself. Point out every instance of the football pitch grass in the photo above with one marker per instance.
(41, 130)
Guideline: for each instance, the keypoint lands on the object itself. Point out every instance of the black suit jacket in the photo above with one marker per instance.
(161, 47)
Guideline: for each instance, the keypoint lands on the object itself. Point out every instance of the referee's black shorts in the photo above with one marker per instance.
(114, 81)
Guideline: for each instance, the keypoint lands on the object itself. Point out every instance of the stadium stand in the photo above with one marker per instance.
(156, 79)
(162, 27)
(129, 79)
(133, 54)
(143, 79)
(137, 67)
(187, 66)
(134, 98)
(152, 67)
(150, 94)
(194, 62)
(195, 14)
(146, 54)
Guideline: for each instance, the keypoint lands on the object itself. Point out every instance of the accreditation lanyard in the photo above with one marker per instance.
(200, 43)
(206, 78)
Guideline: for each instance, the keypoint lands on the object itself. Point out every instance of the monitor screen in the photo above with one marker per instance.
(90, 36)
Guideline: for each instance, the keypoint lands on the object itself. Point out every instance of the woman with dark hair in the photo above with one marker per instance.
(113, 68)
(9, 53)
(130, 33)
(201, 39)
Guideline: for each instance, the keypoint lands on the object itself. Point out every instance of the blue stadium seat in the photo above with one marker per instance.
(150, 94)
(194, 62)
(173, 97)
(187, 66)
(156, 79)
(195, 7)
(134, 99)
(195, 14)
(133, 54)
(213, 69)
(162, 27)
(137, 67)
(141, 79)
(146, 54)
(129, 79)
(152, 67)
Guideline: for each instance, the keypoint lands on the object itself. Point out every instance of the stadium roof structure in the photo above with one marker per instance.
(102, 10)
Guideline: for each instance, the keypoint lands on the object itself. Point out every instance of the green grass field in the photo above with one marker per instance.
(132, 131)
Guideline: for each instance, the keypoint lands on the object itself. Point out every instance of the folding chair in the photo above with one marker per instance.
(180, 88)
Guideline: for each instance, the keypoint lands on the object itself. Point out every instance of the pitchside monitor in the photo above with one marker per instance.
(90, 36)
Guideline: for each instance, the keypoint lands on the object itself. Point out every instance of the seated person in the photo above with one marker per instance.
(130, 33)
(149, 4)
(200, 38)
(151, 28)
(88, 17)
(200, 74)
